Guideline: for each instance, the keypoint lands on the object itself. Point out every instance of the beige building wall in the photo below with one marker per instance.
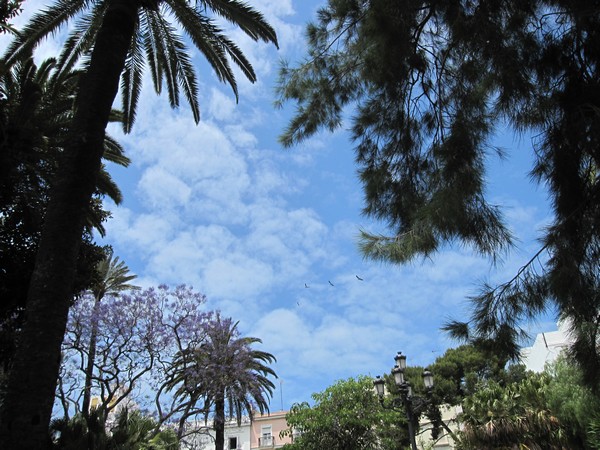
(265, 429)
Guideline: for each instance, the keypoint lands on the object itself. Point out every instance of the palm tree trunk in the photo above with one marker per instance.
(27, 406)
(89, 370)
(220, 423)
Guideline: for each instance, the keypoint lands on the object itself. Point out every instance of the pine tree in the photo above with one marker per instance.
(429, 83)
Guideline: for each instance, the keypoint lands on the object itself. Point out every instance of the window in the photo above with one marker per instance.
(233, 443)
(266, 439)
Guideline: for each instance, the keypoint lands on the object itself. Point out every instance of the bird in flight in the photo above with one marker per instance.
(305, 285)
(359, 278)
(331, 283)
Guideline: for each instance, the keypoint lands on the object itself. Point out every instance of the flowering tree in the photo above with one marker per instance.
(138, 336)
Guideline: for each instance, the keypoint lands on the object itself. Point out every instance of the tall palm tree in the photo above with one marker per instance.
(119, 32)
(36, 109)
(228, 374)
(114, 277)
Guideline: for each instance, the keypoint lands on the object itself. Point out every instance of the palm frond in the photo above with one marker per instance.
(82, 38)
(238, 58)
(164, 32)
(42, 24)
(114, 152)
(153, 47)
(106, 186)
(248, 19)
(114, 276)
(186, 77)
(44, 70)
(170, 52)
(131, 81)
(208, 38)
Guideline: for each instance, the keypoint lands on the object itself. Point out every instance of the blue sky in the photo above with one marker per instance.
(222, 207)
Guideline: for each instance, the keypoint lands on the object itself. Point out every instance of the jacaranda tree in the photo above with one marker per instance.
(122, 37)
(137, 335)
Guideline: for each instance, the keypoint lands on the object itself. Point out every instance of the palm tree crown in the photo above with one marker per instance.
(156, 42)
(114, 277)
(231, 376)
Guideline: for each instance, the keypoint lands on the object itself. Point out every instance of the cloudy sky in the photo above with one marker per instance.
(269, 234)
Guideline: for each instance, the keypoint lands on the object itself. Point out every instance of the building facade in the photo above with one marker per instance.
(265, 431)
(260, 433)
(546, 348)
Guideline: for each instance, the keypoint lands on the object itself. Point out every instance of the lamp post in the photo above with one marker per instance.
(413, 405)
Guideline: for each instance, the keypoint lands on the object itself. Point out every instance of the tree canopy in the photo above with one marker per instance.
(428, 84)
(345, 416)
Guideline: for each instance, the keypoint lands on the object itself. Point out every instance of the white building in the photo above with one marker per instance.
(546, 348)
(444, 441)
(201, 436)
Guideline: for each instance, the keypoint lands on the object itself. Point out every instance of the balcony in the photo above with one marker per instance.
(266, 442)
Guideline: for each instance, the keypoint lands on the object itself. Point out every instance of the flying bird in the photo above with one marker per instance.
(305, 285)
(331, 283)
(359, 278)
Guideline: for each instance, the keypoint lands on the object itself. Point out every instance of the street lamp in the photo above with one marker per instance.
(413, 405)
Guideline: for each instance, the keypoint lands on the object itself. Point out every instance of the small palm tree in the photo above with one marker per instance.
(114, 277)
(228, 374)
(511, 417)
(133, 431)
(74, 433)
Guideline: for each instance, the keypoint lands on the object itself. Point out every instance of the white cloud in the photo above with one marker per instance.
(163, 190)
(222, 207)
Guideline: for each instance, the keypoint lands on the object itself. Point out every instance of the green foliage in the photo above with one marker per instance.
(131, 431)
(575, 405)
(346, 416)
(515, 416)
(460, 370)
(593, 434)
(428, 84)
(554, 409)
(74, 433)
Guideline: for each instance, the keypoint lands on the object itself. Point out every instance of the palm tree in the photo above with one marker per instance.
(511, 417)
(227, 373)
(114, 277)
(119, 33)
(134, 431)
(36, 108)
